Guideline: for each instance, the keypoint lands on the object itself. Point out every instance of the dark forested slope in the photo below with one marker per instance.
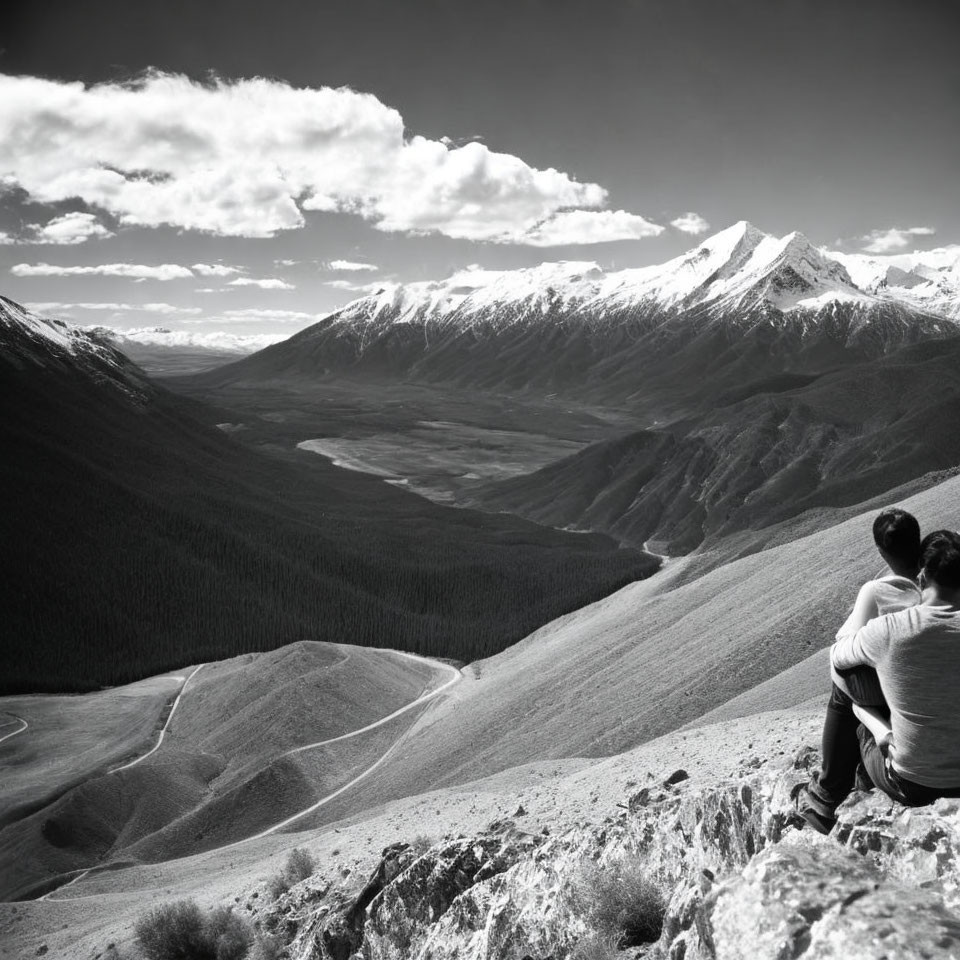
(136, 539)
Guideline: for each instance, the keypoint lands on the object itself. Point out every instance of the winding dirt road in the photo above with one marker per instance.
(156, 746)
(13, 733)
(423, 698)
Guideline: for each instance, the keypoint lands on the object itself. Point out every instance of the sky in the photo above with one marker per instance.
(250, 166)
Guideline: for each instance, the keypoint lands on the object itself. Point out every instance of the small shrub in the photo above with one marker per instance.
(620, 901)
(181, 931)
(230, 935)
(298, 867)
(595, 946)
(266, 947)
(420, 844)
(277, 886)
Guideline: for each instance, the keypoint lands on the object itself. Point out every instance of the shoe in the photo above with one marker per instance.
(811, 810)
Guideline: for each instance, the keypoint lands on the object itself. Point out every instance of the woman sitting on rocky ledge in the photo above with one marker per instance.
(916, 654)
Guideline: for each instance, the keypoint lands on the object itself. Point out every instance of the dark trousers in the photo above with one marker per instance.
(887, 779)
(845, 744)
(840, 749)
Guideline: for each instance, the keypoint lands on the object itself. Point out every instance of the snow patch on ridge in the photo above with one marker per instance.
(928, 281)
(26, 337)
(59, 334)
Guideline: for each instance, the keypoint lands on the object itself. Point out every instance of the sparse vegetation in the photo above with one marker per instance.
(266, 947)
(595, 946)
(299, 866)
(420, 844)
(182, 931)
(622, 904)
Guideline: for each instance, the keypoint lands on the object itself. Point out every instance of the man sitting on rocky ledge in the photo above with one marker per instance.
(916, 653)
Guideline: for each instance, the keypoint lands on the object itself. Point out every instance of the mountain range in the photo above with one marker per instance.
(742, 307)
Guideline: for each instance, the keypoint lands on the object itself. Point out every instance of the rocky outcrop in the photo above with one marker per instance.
(740, 880)
(821, 901)
(920, 845)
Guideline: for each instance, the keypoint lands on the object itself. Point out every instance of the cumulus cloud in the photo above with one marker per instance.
(167, 309)
(215, 269)
(894, 238)
(5, 238)
(349, 265)
(247, 157)
(691, 223)
(136, 271)
(70, 229)
(589, 226)
(264, 283)
(354, 287)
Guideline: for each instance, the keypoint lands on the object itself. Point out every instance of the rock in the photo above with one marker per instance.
(520, 811)
(401, 916)
(686, 930)
(918, 845)
(740, 879)
(829, 903)
(678, 776)
(338, 936)
(523, 912)
(644, 797)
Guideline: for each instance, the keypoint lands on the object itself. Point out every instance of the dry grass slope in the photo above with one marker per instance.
(653, 657)
(221, 773)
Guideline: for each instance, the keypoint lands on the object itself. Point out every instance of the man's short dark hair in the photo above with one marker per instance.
(898, 533)
(941, 558)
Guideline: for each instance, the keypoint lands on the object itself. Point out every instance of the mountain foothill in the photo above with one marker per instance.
(738, 414)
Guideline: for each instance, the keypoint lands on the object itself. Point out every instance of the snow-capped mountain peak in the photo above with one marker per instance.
(782, 273)
(50, 334)
(30, 340)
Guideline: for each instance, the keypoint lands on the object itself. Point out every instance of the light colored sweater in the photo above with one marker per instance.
(886, 594)
(916, 653)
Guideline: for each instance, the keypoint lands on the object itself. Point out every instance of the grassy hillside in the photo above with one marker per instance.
(223, 772)
(69, 739)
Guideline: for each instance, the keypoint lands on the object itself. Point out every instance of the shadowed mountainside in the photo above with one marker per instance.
(658, 364)
(139, 539)
(845, 437)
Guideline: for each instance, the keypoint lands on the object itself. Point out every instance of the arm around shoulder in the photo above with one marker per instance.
(865, 648)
